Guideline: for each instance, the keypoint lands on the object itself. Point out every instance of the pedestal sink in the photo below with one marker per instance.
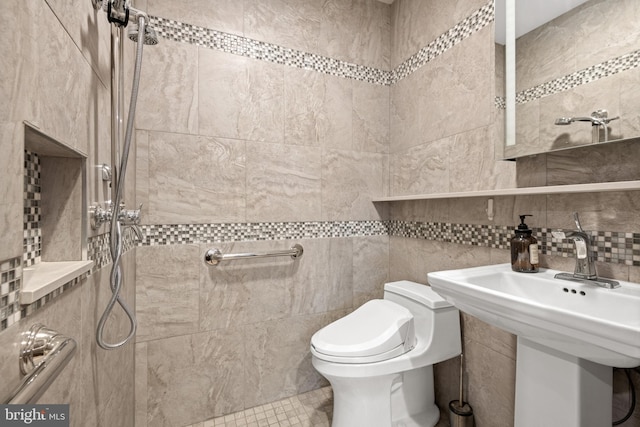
(570, 335)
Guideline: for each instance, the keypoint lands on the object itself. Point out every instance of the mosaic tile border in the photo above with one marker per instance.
(475, 22)
(242, 232)
(570, 81)
(255, 49)
(32, 235)
(581, 77)
(10, 284)
(607, 246)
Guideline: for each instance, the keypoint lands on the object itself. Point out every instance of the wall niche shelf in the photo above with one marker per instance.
(45, 277)
(523, 191)
(55, 215)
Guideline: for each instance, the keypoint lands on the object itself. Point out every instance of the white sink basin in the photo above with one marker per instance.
(589, 322)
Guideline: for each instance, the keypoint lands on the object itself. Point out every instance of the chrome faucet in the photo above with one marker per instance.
(598, 118)
(585, 270)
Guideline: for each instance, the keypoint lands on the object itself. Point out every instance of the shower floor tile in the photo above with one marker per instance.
(311, 409)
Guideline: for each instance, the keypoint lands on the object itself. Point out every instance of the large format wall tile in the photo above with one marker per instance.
(195, 179)
(240, 97)
(630, 103)
(417, 23)
(370, 117)
(318, 109)
(221, 15)
(370, 268)
(324, 277)
(167, 291)
(283, 182)
(422, 169)
(203, 372)
(356, 31)
(293, 25)
(405, 126)
(456, 88)
(90, 32)
(490, 390)
(168, 95)
(604, 30)
(349, 181)
(241, 292)
(278, 362)
(475, 166)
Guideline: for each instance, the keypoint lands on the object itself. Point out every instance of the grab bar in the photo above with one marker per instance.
(214, 256)
(43, 355)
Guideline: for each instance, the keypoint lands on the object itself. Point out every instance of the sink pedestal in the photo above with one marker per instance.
(556, 389)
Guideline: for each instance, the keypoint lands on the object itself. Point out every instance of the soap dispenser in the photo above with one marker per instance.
(524, 249)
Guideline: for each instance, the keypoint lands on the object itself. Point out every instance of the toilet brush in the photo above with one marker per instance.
(460, 412)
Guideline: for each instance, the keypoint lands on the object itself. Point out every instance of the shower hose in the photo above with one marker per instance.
(116, 244)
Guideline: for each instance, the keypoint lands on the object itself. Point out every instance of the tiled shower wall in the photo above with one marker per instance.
(256, 130)
(267, 132)
(56, 78)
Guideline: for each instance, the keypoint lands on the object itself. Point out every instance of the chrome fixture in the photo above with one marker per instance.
(43, 355)
(127, 217)
(106, 172)
(120, 13)
(598, 118)
(214, 256)
(150, 36)
(585, 270)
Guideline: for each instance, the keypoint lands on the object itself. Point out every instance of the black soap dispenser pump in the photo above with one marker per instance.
(524, 249)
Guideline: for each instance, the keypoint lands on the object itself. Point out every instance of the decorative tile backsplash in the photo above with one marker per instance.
(607, 246)
(243, 46)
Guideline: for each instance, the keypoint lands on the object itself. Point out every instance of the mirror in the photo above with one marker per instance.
(574, 79)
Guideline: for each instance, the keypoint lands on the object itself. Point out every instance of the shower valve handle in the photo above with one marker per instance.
(130, 216)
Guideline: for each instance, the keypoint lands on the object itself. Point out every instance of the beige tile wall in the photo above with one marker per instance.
(593, 33)
(55, 74)
(457, 156)
(226, 139)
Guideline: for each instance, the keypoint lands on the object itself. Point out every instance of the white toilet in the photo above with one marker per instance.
(379, 359)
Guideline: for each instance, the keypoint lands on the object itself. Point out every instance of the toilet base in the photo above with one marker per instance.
(395, 400)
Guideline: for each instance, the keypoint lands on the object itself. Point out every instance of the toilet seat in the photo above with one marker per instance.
(378, 330)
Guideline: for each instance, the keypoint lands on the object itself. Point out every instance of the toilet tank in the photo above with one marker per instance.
(436, 321)
(414, 296)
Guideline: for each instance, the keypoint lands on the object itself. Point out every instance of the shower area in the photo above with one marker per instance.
(259, 125)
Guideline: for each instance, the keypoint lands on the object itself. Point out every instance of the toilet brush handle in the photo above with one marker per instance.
(461, 378)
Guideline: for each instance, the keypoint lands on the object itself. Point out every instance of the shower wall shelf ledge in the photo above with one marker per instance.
(45, 277)
(522, 191)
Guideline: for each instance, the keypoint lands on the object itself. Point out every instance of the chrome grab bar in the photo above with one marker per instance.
(43, 355)
(213, 256)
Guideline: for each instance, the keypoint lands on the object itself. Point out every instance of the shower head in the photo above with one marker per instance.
(150, 36)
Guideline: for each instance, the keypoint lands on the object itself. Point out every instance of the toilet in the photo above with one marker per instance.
(379, 359)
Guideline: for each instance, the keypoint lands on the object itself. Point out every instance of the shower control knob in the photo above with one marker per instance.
(130, 216)
(100, 215)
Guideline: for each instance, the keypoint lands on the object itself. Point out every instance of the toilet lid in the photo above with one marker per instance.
(378, 327)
